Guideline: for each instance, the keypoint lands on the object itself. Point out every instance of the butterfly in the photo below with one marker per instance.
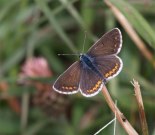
(100, 64)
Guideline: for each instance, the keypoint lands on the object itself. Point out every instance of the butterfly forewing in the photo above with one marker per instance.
(109, 43)
(68, 82)
(90, 83)
(109, 66)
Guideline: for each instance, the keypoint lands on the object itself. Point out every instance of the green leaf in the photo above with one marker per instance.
(137, 21)
(55, 24)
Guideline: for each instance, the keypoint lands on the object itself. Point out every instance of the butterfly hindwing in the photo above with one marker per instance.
(109, 43)
(109, 66)
(90, 82)
(68, 82)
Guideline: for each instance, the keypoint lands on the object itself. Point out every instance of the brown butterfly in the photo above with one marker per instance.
(95, 68)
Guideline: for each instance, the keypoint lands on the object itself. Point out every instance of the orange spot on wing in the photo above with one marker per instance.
(74, 87)
(112, 71)
(66, 88)
(70, 88)
(97, 85)
(107, 74)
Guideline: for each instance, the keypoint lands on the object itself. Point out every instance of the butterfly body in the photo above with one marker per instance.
(88, 62)
(94, 69)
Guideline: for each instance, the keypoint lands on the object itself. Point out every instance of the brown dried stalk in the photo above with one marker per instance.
(140, 107)
(12, 101)
(120, 116)
(131, 32)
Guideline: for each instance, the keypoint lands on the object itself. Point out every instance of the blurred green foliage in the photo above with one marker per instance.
(46, 28)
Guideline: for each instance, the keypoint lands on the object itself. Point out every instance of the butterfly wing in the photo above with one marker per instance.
(109, 66)
(90, 83)
(68, 82)
(109, 43)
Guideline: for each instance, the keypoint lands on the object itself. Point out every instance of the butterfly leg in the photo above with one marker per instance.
(104, 81)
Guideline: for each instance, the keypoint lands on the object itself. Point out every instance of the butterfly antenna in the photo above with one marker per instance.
(67, 54)
(84, 41)
(82, 46)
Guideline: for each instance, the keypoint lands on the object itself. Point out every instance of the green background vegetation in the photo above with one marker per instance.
(45, 28)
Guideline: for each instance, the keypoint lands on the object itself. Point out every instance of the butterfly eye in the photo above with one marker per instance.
(80, 56)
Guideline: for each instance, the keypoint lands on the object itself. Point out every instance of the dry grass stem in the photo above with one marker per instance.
(105, 126)
(131, 32)
(115, 119)
(140, 107)
(120, 117)
(24, 111)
